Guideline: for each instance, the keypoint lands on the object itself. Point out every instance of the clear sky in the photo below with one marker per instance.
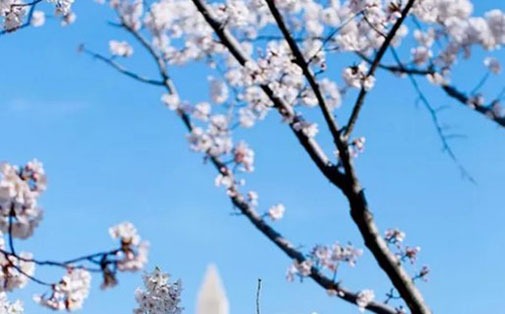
(114, 153)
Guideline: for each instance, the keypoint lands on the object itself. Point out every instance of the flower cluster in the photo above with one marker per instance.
(357, 77)
(330, 257)
(325, 257)
(15, 13)
(396, 238)
(15, 270)
(133, 253)
(69, 294)
(20, 188)
(159, 296)
(10, 307)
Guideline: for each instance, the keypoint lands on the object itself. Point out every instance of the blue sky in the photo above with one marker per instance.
(114, 153)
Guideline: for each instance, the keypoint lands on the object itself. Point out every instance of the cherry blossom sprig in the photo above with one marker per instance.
(323, 258)
(20, 188)
(395, 237)
(17, 14)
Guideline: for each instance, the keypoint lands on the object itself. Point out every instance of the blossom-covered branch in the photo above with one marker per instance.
(245, 205)
(20, 188)
(353, 191)
(360, 100)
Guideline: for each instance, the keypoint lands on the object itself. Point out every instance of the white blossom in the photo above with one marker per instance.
(357, 77)
(159, 295)
(120, 48)
(133, 253)
(19, 192)
(172, 101)
(68, 294)
(364, 298)
(38, 18)
(276, 212)
(309, 129)
(7, 307)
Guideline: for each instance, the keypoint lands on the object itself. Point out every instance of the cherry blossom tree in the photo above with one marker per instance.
(279, 57)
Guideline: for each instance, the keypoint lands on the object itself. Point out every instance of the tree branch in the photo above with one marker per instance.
(120, 68)
(309, 144)
(28, 21)
(450, 90)
(373, 67)
(350, 186)
(304, 65)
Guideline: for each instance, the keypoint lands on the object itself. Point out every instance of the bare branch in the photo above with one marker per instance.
(450, 90)
(258, 290)
(440, 132)
(120, 68)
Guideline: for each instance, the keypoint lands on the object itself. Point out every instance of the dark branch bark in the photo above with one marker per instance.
(309, 144)
(304, 65)
(487, 111)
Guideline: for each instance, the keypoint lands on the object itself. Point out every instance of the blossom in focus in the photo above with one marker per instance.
(159, 295)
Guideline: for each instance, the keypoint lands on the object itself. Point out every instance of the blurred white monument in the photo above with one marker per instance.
(212, 297)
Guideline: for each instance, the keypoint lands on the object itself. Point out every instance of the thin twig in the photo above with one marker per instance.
(120, 68)
(258, 290)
